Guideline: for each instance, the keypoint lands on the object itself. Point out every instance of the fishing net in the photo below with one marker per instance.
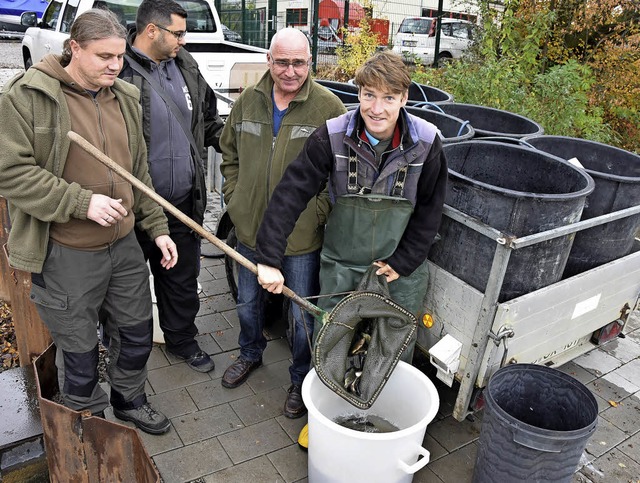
(360, 343)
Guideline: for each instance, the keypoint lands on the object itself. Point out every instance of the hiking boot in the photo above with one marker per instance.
(200, 361)
(238, 372)
(294, 406)
(146, 418)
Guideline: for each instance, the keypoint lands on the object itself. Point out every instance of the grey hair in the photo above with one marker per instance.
(94, 24)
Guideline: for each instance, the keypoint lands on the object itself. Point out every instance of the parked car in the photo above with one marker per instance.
(416, 39)
(231, 35)
(11, 13)
(228, 67)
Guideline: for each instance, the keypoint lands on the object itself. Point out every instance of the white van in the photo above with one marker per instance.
(416, 39)
(228, 67)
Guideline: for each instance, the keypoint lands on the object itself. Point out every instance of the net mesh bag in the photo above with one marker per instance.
(360, 343)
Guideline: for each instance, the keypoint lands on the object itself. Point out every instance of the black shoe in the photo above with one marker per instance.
(200, 361)
(238, 372)
(294, 406)
(146, 418)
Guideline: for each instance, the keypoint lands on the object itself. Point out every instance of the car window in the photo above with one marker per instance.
(446, 29)
(199, 16)
(415, 26)
(460, 30)
(51, 14)
(69, 15)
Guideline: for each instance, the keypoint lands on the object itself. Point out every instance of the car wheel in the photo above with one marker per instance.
(444, 58)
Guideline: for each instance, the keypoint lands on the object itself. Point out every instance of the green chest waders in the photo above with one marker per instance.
(362, 229)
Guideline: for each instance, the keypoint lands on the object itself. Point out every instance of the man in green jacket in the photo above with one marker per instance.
(72, 218)
(266, 130)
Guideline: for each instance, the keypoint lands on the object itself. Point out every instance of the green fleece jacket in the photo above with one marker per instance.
(253, 161)
(34, 151)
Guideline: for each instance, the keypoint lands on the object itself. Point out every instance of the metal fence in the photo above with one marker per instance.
(255, 21)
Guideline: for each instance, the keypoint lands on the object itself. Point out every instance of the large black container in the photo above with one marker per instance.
(490, 122)
(617, 176)
(453, 129)
(536, 425)
(519, 191)
(418, 93)
(347, 93)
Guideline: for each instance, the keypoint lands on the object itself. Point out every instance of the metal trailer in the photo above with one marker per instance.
(549, 326)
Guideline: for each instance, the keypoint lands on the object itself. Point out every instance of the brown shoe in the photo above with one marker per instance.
(294, 406)
(238, 372)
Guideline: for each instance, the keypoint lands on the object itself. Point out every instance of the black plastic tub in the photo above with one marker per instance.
(616, 173)
(453, 130)
(420, 93)
(347, 93)
(536, 425)
(518, 191)
(490, 122)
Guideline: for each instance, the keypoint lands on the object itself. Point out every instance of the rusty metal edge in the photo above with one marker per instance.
(84, 448)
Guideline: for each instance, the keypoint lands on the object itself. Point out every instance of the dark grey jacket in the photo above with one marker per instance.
(206, 124)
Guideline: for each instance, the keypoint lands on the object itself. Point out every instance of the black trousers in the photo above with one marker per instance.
(176, 289)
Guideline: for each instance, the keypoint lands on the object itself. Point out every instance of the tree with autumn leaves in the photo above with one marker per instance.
(571, 65)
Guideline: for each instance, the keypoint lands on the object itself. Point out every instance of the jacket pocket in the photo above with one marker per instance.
(48, 298)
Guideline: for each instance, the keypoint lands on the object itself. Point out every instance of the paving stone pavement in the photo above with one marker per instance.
(238, 435)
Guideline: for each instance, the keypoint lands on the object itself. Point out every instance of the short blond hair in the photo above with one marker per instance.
(385, 71)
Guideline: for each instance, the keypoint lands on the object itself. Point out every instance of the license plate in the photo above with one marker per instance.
(409, 43)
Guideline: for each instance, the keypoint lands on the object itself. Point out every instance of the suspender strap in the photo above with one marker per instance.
(167, 99)
(352, 180)
(398, 186)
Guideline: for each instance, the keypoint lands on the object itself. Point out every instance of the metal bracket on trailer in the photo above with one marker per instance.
(504, 334)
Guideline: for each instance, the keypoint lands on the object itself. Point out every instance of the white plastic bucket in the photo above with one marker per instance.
(409, 401)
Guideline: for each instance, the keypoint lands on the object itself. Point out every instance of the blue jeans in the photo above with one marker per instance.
(300, 275)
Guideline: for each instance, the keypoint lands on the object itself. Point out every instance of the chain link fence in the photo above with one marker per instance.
(255, 22)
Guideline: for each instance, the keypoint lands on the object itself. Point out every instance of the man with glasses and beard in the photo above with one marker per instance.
(266, 130)
(180, 120)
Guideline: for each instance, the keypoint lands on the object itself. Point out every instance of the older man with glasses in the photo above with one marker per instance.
(266, 130)
(180, 120)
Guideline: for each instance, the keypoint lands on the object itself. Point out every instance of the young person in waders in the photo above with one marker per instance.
(386, 174)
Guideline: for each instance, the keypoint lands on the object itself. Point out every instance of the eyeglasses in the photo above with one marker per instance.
(296, 64)
(178, 34)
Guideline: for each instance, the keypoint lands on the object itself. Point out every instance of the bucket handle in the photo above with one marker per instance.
(418, 465)
(548, 444)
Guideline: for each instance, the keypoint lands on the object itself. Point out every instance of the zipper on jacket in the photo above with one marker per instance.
(170, 126)
(116, 227)
(269, 163)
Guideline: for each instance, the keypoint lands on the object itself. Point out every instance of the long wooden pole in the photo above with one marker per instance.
(314, 310)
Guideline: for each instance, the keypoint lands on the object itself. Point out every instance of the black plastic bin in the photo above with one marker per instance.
(617, 176)
(420, 93)
(490, 122)
(536, 425)
(453, 130)
(518, 191)
(347, 93)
